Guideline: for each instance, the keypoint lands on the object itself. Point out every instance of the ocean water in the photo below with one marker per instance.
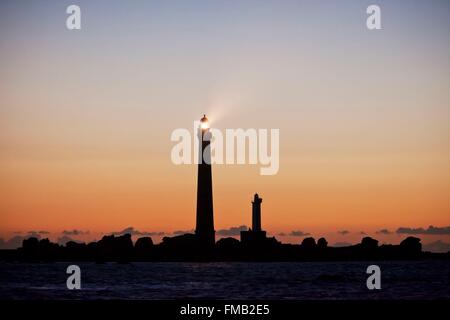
(226, 280)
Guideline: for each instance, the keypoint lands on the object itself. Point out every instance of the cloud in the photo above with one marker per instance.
(437, 246)
(343, 232)
(38, 232)
(233, 231)
(135, 232)
(299, 233)
(64, 239)
(281, 234)
(74, 232)
(383, 231)
(431, 230)
(177, 232)
(342, 244)
(16, 241)
(34, 234)
(363, 233)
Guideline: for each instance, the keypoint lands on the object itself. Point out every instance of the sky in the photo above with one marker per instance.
(86, 116)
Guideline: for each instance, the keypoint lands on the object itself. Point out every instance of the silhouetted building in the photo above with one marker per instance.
(254, 235)
(205, 217)
(256, 213)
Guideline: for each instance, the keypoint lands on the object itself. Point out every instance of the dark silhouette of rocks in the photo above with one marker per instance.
(369, 244)
(309, 243)
(183, 247)
(114, 248)
(411, 245)
(228, 248)
(143, 244)
(188, 247)
(35, 249)
(322, 243)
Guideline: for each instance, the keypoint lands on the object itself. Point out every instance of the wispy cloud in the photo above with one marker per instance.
(38, 232)
(16, 241)
(430, 230)
(135, 232)
(342, 244)
(437, 246)
(384, 231)
(343, 232)
(233, 231)
(177, 232)
(299, 233)
(64, 239)
(74, 232)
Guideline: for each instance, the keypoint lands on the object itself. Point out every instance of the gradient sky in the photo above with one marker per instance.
(86, 116)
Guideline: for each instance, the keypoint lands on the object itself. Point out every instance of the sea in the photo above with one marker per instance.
(226, 280)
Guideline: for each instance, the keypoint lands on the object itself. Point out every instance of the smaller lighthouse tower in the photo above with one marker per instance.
(256, 213)
(254, 236)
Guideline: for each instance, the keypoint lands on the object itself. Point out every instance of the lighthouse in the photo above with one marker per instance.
(256, 213)
(255, 236)
(205, 218)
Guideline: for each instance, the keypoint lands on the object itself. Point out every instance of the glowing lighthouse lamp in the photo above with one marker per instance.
(204, 124)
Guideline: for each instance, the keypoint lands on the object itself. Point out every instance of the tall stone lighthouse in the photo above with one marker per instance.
(205, 217)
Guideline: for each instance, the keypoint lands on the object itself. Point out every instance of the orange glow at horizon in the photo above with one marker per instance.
(106, 196)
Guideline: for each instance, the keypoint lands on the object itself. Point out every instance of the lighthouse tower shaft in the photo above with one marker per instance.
(205, 216)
